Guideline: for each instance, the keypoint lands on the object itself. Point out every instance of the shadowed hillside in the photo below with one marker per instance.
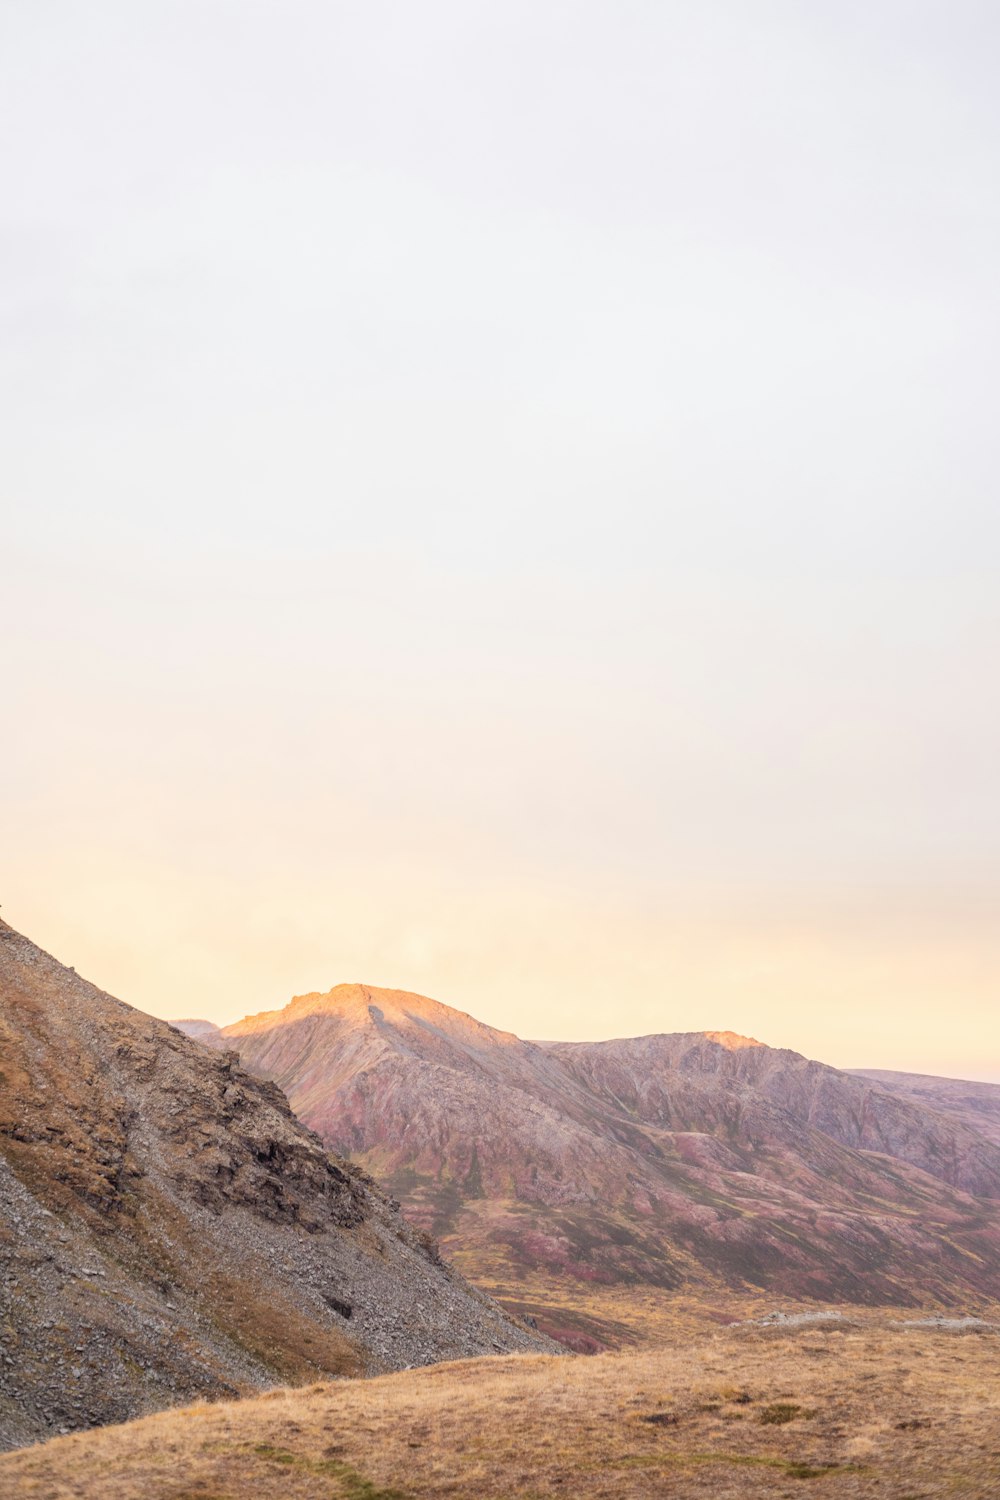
(168, 1229)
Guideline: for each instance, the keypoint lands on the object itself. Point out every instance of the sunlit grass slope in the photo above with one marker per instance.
(841, 1409)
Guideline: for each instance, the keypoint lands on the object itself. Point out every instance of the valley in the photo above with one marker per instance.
(573, 1179)
(501, 823)
(784, 1273)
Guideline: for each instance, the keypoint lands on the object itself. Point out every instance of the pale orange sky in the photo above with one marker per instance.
(856, 985)
(501, 502)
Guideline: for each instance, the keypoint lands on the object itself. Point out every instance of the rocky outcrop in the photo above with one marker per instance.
(668, 1160)
(695, 1081)
(169, 1229)
(977, 1105)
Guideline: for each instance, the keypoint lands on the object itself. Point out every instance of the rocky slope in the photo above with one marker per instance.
(977, 1105)
(668, 1160)
(708, 1081)
(168, 1229)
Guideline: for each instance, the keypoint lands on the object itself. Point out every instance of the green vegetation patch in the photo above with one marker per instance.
(200, 1495)
(354, 1486)
(275, 1455)
(781, 1412)
(793, 1468)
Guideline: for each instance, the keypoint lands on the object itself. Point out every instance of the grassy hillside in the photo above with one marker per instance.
(869, 1406)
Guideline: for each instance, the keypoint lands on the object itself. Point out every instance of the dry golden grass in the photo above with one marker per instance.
(595, 1317)
(865, 1410)
(591, 1317)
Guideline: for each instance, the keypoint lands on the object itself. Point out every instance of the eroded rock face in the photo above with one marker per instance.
(977, 1105)
(169, 1229)
(690, 1082)
(671, 1160)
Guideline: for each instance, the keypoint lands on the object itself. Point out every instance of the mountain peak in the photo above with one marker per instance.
(195, 1027)
(732, 1041)
(357, 1006)
(633, 1160)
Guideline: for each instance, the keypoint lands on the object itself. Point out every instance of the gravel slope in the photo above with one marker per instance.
(169, 1230)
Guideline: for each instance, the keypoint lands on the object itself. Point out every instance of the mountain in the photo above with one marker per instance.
(693, 1160)
(198, 1029)
(680, 1081)
(975, 1104)
(169, 1230)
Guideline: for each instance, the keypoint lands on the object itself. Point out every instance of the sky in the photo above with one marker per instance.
(500, 501)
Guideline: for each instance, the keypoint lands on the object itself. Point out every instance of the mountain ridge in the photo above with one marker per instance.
(691, 1159)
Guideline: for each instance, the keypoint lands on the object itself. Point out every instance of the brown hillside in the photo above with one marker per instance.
(168, 1229)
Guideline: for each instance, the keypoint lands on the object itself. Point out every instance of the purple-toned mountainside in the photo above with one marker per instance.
(198, 1029)
(711, 1081)
(668, 1160)
(975, 1104)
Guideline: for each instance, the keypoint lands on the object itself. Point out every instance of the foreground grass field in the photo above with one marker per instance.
(863, 1407)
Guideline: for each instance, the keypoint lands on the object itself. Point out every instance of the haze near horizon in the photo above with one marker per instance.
(500, 504)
